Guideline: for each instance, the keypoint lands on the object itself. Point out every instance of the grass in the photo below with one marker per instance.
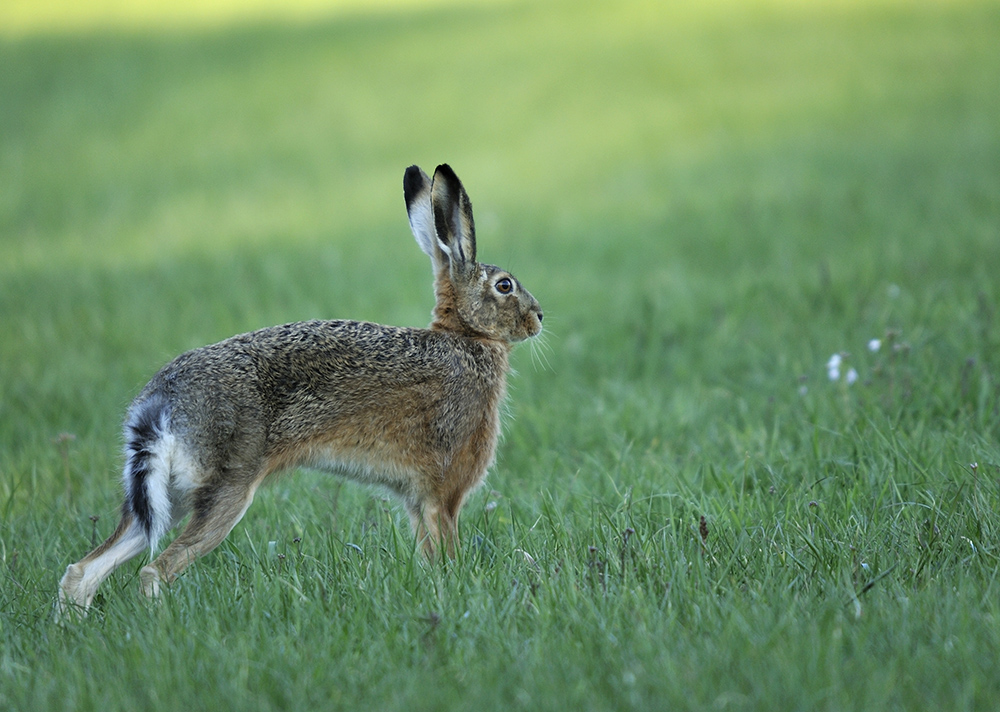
(708, 199)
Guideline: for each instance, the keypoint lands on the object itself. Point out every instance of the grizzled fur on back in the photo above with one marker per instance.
(416, 411)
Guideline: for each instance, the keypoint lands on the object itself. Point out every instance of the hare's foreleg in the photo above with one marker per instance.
(217, 509)
(435, 527)
(80, 582)
(424, 519)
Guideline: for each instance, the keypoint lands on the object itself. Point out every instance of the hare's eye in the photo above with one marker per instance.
(505, 286)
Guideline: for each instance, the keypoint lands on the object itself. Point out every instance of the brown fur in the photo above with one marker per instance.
(416, 411)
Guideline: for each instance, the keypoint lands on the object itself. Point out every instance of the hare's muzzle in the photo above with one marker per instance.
(534, 322)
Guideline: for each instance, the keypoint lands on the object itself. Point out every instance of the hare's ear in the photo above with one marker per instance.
(417, 194)
(453, 225)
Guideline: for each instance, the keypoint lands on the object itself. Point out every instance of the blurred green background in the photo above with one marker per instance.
(708, 198)
(175, 172)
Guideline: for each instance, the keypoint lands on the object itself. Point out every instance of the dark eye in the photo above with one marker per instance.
(505, 286)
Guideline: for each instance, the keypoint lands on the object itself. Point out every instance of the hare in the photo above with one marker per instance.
(415, 411)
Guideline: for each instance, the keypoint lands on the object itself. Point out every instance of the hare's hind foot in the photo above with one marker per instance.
(149, 580)
(72, 599)
(80, 582)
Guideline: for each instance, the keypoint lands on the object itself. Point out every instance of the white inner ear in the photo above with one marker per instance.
(444, 248)
(422, 225)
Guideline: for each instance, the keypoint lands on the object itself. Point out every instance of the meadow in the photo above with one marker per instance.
(694, 505)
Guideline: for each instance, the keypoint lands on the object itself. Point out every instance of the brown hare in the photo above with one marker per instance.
(416, 411)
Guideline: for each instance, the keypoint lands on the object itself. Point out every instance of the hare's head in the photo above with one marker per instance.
(473, 299)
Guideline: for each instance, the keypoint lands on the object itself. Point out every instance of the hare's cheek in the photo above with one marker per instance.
(530, 324)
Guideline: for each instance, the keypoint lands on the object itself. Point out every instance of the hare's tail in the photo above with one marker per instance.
(149, 449)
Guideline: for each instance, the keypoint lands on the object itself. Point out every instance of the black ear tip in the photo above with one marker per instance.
(444, 171)
(413, 183)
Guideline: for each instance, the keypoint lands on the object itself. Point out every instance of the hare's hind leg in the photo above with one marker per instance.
(80, 582)
(217, 509)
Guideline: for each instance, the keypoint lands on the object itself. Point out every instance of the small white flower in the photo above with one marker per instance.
(874, 345)
(803, 390)
(851, 376)
(833, 367)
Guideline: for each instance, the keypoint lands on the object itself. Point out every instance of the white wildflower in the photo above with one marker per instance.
(833, 367)
(851, 376)
(874, 345)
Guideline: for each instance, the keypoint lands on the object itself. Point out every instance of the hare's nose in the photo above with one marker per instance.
(540, 315)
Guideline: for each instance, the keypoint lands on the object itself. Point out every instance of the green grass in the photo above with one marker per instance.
(708, 199)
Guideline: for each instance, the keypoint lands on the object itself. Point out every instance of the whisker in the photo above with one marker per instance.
(540, 348)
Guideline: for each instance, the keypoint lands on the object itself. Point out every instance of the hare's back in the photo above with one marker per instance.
(324, 354)
(308, 354)
(337, 365)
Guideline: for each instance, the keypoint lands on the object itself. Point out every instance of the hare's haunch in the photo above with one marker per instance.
(416, 411)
